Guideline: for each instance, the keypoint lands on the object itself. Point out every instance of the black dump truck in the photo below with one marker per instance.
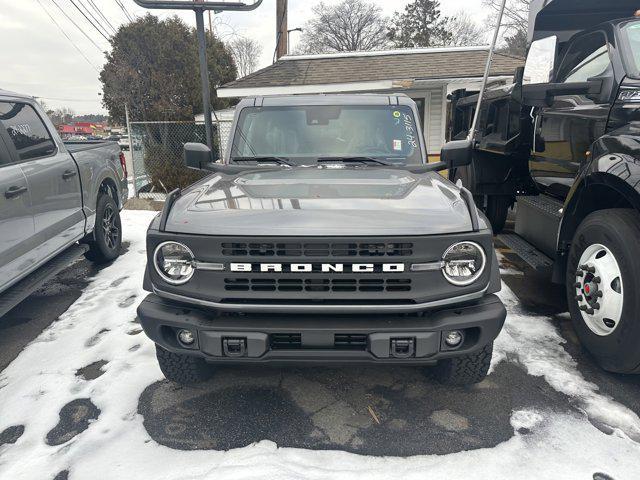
(323, 237)
(563, 143)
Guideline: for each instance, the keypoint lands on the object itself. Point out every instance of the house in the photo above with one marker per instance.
(427, 75)
(66, 129)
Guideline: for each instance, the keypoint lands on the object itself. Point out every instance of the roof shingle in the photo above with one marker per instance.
(422, 65)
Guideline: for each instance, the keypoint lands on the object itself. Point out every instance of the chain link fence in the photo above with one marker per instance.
(156, 155)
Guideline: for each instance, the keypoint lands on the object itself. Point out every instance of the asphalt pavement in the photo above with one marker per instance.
(373, 411)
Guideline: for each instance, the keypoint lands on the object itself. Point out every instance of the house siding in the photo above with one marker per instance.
(435, 120)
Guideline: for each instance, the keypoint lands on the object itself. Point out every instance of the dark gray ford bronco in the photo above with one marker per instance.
(323, 237)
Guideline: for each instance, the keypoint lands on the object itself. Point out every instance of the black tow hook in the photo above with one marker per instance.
(234, 347)
(403, 347)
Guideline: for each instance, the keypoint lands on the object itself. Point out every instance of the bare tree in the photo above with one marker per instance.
(350, 26)
(246, 53)
(465, 31)
(515, 24)
(61, 115)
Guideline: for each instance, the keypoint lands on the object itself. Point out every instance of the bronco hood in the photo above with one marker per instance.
(317, 201)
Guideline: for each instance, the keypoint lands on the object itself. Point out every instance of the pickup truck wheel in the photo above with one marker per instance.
(107, 237)
(183, 369)
(603, 281)
(464, 370)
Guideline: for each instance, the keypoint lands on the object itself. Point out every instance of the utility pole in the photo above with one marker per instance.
(282, 47)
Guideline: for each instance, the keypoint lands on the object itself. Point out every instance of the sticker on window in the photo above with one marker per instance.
(397, 145)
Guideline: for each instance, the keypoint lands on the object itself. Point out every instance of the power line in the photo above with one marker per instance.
(77, 26)
(95, 19)
(89, 20)
(67, 36)
(102, 15)
(65, 99)
(123, 8)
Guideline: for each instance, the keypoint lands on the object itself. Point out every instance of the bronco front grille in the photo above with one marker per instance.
(317, 285)
(317, 249)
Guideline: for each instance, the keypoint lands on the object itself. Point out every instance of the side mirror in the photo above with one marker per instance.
(457, 153)
(196, 155)
(542, 95)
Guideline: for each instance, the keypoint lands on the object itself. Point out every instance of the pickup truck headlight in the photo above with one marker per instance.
(174, 262)
(463, 263)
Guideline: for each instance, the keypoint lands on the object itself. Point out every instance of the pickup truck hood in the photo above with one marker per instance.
(321, 201)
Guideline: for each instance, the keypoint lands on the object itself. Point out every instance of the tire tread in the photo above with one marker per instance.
(183, 369)
(465, 370)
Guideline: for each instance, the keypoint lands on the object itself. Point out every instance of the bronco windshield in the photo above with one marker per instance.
(306, 134)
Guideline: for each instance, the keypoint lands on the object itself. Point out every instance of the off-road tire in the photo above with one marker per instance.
(497, 210)
(183, 369)
(619, 231)
(100, 251)
(465, 370)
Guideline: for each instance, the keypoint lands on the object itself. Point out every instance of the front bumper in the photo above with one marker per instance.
(222, 337)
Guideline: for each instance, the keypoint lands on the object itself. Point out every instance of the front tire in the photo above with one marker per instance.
(183, 369)
(603, 281)
(106, 244)
(465, 370)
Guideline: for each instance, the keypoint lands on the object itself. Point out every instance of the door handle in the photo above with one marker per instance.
(69, 174)
(15, 191)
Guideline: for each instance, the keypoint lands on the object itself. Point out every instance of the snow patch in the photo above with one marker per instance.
(37, 385)
(533, 342)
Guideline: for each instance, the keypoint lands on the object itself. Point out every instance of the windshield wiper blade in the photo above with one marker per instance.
(353, 160)
(265, 159)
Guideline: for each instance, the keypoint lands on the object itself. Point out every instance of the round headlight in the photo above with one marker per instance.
(174, 262)
(463, 263)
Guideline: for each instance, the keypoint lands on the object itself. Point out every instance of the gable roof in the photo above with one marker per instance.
(358, 67)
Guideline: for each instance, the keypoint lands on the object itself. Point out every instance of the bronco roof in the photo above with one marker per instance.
(329, 99)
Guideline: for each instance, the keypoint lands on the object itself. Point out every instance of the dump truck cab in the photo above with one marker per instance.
(561, 142)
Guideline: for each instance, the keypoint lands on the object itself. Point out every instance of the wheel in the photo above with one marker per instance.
(603, 281)
(106, 243)
(497, 210)
(183, 369)
(465, 370)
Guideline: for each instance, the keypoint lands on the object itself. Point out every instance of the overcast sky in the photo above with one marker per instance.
(37, 59)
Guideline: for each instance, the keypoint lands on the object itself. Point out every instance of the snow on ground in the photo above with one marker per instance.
(35, 387)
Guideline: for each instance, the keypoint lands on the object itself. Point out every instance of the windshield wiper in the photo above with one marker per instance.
(265, 159)
(353, 160)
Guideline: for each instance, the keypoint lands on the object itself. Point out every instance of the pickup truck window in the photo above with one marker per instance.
(587, 57)
(26, 130)
(302, 134)
(631, 52)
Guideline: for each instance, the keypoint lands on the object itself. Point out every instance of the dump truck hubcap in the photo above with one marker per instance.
(599, 291)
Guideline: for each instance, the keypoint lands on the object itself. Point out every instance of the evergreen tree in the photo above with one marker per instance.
(420, 25)
(153, 67)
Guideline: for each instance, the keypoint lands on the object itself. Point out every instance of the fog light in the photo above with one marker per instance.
(453, 338)
(186, 337)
